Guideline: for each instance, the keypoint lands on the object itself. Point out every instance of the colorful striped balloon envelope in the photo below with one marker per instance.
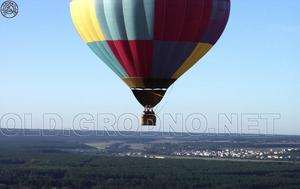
(149, 44)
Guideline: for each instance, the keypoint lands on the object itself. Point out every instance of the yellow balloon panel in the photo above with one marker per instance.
(84, 16)
(200, 50)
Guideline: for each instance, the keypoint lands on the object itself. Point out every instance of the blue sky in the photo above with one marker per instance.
(254, 68)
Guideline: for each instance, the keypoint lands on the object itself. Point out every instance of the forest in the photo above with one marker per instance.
(39, 162)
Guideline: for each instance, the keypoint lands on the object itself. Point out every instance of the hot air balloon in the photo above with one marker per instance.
(149, 44)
